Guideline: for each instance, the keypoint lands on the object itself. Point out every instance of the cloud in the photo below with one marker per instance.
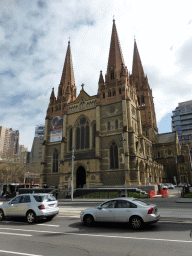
(33, 43)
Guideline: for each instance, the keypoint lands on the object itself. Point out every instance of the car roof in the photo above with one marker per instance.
(35, 194)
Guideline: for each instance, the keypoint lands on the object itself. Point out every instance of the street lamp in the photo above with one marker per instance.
(123, 140)
(72, 173)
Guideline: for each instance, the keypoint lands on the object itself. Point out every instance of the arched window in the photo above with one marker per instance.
(70, 139)
(112, 75)
(158, 154)
(142, 101)
(108, 126)
(138, 101)
(116, 124)
(113, 156)
(119, 90)
(94, 135)
(114, 93)
(109, 93)
(55, 161)
(103, 95)
(82, 134)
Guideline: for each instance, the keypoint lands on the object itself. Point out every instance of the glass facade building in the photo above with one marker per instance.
(182, 121)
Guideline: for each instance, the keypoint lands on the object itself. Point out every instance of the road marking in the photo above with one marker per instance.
(15, 234)
(133, 238)
(31, 230)
(68, 216)
(20, 253)
(48, 225)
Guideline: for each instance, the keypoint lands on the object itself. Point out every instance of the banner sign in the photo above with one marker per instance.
(39, 130)
(56, 129)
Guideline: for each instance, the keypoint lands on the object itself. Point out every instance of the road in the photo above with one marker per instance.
(67, 236)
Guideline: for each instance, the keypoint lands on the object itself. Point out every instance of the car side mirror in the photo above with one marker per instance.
(99, 207)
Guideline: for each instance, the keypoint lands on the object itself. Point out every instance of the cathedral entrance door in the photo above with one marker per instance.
(80, 177)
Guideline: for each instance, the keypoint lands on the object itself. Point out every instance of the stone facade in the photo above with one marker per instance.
(113, 134)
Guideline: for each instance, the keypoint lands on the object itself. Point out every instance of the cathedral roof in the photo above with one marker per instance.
(115, 55)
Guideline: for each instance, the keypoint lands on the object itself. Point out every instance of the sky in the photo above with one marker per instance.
(33, 41)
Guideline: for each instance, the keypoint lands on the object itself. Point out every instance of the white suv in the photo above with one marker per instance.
(32, 206)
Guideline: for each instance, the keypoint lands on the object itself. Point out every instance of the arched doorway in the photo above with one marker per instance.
(80, 177)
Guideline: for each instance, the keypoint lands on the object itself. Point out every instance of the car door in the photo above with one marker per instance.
(123, 211)
(24, 205)
(12, 209)
(105, 212)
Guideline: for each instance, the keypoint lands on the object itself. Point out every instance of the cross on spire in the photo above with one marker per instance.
(82, 87)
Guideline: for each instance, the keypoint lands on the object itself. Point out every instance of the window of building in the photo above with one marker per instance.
(158, 154)
(113, 156)
(186, 137)
(55, 161)
(119, 90)
(116, 124)
(114, 93)
(70, 139)
(138, 101)
(188, 107)
(82, 134)
(94, 135)
(103, 95)
(109, 93)
(179, 132)
(182, 109)
(183, 117)
(142, 101)
(112, 75)
(108, 126)
(177, 128)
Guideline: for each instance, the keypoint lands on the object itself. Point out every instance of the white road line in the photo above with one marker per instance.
(31, 230)
(48, 225)
(20, 253)
(15, 234)
(133, 238)
(68, 216)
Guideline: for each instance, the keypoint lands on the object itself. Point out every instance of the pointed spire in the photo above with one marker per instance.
(52, 97)
(67, 77)
(115, 55)
(137, 68)
(101, 80)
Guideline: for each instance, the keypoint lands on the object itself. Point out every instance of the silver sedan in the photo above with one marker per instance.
(132, 210)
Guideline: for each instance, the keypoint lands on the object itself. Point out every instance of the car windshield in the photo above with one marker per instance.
(141, 202)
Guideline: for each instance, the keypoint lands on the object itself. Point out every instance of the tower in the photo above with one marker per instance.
(144, 96)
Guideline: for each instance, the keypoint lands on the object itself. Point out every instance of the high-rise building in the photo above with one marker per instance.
(36, 150)
(112, 135)
(182, 121)
(9, 141)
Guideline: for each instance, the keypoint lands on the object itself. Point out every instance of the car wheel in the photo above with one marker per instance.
(31, 217)
(50, 217)
(136, 222)
(1, 214)
(88, 220)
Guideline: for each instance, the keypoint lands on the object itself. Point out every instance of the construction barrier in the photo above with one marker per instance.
(164, 192)
(151, 193)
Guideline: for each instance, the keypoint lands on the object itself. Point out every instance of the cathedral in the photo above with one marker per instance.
(107, 139)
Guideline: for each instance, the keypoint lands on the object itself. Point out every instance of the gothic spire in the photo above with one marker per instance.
(137, 68)
(67, 77)
(52, 97)
(115, 55)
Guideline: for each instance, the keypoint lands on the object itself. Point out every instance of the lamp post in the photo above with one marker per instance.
(123, 140)
(72, 173)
